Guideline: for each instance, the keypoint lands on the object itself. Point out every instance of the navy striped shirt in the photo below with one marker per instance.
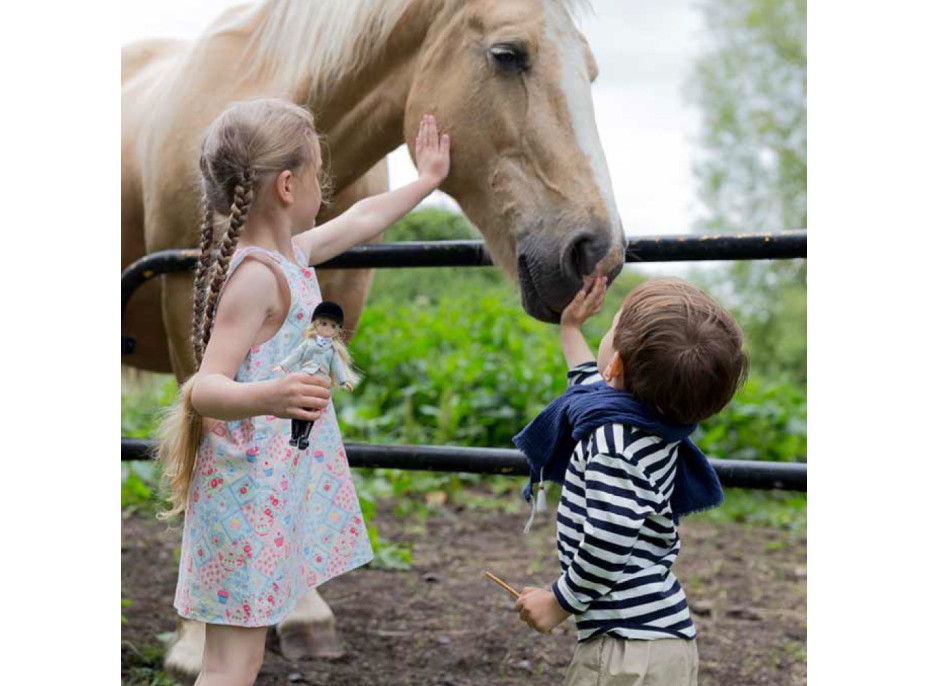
(616, 540)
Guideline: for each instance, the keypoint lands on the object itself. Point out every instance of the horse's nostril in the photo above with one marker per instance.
(581, 255)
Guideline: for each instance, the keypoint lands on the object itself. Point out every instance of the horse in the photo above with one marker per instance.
(509, 81)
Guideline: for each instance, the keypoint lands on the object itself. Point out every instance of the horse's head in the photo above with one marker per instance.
(511, 82)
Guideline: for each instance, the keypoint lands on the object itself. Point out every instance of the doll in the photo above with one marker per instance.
(322, 351)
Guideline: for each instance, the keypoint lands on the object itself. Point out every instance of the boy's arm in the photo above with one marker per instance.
(371, 216)
(619, 496)
(587, 302)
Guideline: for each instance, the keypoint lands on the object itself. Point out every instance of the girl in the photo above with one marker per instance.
(265, 522)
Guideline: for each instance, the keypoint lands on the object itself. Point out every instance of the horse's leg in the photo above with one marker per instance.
(309, 631)
(184, 656)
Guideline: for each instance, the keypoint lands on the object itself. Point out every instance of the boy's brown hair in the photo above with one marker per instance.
(681, 350)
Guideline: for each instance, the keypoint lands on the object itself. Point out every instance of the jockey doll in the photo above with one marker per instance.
(322, 352)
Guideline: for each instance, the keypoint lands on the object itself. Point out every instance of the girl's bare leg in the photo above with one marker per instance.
(232, 655)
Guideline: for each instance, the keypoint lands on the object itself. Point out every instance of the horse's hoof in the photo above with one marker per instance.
(316, 640)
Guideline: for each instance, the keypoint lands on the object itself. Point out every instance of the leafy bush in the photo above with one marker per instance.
(765, 421)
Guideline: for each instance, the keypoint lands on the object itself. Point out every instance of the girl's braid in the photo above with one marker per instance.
(203, 267)
(241, 203)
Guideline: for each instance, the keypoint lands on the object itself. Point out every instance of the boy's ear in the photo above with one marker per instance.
(614, 368)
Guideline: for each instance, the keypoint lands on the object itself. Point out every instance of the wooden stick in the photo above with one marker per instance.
(513, 592)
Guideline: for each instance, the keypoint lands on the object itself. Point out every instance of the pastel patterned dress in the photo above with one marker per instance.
(265, 522)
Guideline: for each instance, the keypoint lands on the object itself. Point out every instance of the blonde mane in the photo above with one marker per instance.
(290, 39)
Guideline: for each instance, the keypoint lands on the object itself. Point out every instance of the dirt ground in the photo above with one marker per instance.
(444, 624)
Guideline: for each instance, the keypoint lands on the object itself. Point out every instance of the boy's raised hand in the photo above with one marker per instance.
(587, 302)
(433, 151)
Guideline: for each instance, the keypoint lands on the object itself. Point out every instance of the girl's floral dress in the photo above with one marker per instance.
(265, 522)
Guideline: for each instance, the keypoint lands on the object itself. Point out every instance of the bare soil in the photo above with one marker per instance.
(444, 624)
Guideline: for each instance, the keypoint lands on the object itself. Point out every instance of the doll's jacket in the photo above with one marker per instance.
(311, 357)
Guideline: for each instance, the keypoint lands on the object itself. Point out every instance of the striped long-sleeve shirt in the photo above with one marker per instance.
(616, 538)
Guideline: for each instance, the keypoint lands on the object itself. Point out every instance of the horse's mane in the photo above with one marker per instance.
(290, 38)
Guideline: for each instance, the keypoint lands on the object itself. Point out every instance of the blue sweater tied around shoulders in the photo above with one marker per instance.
(549, 440)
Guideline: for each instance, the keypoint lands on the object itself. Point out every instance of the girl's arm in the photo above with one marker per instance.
(370, 217)
(584, 305)
(251, 297)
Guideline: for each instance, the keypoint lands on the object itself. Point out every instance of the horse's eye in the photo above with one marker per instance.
(509, 57)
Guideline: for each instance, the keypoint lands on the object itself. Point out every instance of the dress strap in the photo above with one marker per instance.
(254, 251)
(301, 259)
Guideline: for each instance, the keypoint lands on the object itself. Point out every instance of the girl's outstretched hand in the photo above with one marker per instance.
(587, 302)
(433, 151)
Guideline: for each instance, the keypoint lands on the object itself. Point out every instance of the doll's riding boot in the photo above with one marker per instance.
(295, 430)
(304, 436)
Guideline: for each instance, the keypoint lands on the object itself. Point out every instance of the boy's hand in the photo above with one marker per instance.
(587, 302)
(540, 610)
(433, 152)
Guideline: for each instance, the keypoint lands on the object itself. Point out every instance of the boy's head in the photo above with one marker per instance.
(676, 348)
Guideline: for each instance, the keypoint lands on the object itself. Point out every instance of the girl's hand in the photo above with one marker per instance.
(433, 152)
(300, 396)
(587, 302)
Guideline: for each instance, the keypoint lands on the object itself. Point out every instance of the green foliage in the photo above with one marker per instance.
(750, 86)
(143, 401)
(432, 224)
(765, 421)
(775, 509)
(145, 666)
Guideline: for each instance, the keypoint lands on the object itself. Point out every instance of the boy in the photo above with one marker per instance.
(618, 439)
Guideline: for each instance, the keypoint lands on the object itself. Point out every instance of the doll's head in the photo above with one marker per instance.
(258, 153)
(327, 320)
(676, 348)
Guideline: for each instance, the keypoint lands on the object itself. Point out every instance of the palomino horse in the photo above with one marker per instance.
(509, 80)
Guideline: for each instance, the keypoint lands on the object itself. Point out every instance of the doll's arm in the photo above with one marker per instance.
(338, 369)
(370, 217)
(294, 358)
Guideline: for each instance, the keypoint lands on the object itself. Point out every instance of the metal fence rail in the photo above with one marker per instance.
(790, 476)
(416, 254)
(419, 254)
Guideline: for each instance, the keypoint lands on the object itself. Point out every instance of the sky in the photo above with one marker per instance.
(648, 131)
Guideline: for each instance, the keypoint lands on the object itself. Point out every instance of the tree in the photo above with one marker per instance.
(750, 85)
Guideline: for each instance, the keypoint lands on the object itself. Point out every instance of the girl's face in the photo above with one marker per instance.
(326, 327)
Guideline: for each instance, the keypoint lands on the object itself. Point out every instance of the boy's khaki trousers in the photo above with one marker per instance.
(608, 661)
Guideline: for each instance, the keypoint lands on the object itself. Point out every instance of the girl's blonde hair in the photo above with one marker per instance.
(245, 147)
(341, 349)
